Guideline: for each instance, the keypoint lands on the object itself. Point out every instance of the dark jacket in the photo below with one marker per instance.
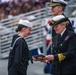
(69, 27)
(18, 57)
(67, 46)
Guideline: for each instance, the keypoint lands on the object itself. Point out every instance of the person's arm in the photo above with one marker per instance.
(18, 52)
(69, 53)
(66, 55)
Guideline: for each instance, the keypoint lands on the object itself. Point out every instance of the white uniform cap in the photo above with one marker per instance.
(60, 1)
(57, 18)
(25, 23)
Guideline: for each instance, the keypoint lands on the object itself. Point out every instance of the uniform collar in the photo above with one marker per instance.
(62, 32)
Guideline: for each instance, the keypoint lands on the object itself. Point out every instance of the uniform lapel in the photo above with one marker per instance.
(55, 40)
(62, 37)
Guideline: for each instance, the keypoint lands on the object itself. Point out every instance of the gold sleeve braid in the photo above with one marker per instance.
(61, 57)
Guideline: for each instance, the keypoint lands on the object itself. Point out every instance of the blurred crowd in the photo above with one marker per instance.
(10, 8)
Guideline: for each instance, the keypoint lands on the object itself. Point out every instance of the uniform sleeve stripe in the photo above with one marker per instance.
(61, 57)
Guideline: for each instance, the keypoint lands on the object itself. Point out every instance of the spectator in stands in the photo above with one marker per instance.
(19, 53)
(14, 11)
(17, 7)
(3, 15)
(63, 58)
(26, 7)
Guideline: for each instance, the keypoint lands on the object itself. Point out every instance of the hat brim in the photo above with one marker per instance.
(53, 23)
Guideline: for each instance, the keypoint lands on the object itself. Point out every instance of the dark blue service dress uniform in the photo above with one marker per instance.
(18, 57)
(64, 51)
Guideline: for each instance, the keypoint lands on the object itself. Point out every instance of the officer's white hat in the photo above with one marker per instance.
(58, 2)
(58, 19)
(25, 23)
